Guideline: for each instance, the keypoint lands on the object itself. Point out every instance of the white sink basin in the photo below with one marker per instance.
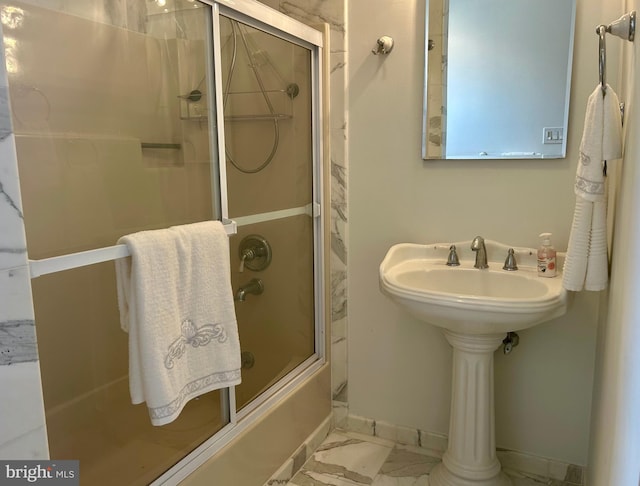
(467, 300)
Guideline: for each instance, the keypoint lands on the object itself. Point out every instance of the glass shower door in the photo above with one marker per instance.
(267, 94)
(110, 140)
(145, 116)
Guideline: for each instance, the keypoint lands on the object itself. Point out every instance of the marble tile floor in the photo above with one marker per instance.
(348, 459)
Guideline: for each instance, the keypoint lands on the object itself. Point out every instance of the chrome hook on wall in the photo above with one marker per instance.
(384, 45)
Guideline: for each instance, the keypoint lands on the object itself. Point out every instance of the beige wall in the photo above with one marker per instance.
(399, 368)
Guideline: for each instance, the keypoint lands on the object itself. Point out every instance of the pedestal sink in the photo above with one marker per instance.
(475, 308)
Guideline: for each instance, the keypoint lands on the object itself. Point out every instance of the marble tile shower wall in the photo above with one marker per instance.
(313, 12)
(22, 429)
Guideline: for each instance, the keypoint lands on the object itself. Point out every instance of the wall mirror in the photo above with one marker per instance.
(497, 78)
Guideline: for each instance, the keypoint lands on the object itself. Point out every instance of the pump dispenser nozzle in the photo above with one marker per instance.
(546, 238)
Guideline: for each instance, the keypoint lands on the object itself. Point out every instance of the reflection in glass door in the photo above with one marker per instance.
(110, 140)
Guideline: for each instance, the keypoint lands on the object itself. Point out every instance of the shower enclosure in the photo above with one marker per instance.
(164, 113)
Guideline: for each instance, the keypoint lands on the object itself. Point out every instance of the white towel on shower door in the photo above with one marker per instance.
(586, 264)
(176, 303)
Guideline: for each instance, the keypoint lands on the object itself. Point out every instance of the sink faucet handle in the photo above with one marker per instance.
(452, 260)
(510, 263)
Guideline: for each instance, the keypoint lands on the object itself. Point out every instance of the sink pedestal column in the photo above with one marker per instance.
(470, 459)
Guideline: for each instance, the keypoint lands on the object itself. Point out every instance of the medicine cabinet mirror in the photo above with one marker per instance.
(497, 78)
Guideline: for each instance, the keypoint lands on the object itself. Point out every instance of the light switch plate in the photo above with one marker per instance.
(552, 135)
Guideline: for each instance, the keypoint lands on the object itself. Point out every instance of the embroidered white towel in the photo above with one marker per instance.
(586, 263)
(176, 303)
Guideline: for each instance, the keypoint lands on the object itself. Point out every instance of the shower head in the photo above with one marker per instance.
(260, 57)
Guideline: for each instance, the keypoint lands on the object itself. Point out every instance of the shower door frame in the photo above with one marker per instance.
(263, 18)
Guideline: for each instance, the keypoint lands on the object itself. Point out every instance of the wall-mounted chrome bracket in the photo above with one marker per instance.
(510, 342)
(384, 45)
(624, 27)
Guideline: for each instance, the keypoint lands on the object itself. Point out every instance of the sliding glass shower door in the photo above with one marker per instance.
(105, 149)
(160, 114)
(269, 162)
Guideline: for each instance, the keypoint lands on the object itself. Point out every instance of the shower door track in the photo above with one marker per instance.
(243, 420)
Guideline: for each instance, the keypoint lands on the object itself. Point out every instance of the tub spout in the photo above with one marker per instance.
(254, 286)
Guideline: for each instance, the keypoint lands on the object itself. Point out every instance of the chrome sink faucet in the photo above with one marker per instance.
(477, 245)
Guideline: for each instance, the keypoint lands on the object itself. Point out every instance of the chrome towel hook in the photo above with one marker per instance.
(384, 45)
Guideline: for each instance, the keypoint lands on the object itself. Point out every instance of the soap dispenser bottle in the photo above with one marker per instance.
(546, 257)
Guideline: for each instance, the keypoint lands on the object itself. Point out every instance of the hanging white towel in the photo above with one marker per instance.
(176, 303)
(586, 263)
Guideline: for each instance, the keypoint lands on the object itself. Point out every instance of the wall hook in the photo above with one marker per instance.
(384, 45)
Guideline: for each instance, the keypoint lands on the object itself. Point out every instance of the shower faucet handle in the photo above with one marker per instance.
(247, 255)
(255, 253)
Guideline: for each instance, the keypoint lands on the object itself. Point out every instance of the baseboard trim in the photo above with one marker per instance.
(527, 465)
